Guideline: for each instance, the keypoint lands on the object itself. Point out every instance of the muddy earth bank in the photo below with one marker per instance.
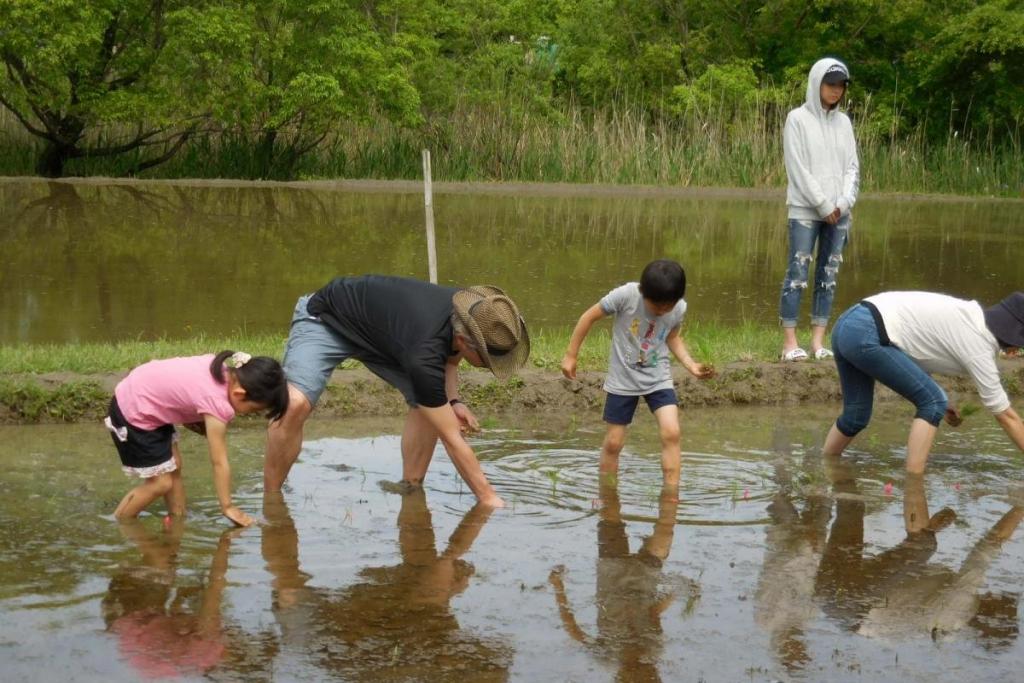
(69, 397)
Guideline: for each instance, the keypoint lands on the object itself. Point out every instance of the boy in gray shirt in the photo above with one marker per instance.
(648, 315)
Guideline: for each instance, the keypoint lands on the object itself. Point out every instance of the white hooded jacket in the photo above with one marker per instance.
(821, 155)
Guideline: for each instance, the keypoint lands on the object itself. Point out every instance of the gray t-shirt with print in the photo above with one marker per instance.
(639, 358)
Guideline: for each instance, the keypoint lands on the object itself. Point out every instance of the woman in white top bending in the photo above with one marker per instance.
(898, 338)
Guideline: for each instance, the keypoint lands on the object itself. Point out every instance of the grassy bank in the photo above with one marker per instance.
(72, 382)
(618, 145)
(709, 342)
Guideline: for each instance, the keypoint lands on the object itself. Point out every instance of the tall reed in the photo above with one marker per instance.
(737, 146)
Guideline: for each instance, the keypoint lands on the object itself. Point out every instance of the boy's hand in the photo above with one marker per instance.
(702, 370)
(569, 366)
(238, 517)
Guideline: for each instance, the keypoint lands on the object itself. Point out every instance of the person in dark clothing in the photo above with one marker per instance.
(413, 335)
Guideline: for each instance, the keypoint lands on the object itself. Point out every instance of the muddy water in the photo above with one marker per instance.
(107, 262)
(771, 565)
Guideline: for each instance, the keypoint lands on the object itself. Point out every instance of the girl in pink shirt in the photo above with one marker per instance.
(202, 393)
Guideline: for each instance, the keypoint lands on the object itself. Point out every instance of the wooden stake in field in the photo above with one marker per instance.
(428, 203)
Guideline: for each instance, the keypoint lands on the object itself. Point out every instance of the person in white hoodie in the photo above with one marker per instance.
(824, 174)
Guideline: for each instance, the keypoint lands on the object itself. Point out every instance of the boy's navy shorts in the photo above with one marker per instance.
(619, 410)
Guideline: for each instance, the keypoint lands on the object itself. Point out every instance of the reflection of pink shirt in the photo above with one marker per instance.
(168, 646)
(173, 391)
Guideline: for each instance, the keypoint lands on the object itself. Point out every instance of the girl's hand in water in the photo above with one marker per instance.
(238, 517)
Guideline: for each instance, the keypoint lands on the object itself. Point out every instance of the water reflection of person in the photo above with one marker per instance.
(165, 630)
(784, 599)
(396, 623)
(900, 592)
(291, 599)
(631, 592)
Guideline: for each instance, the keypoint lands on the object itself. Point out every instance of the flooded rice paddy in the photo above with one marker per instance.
(105, 262)
(771, 565)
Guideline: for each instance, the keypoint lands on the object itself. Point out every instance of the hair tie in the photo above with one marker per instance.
(237, 360)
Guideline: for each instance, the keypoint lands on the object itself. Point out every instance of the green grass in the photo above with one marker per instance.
(710, 342)
(68, 402)
(616, 145)
(116, 356)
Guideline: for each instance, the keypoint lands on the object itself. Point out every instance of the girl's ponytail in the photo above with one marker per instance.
(217, 365)
(262, 378)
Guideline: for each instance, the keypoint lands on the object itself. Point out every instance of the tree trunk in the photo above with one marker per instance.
(265, 153)
(50, 163)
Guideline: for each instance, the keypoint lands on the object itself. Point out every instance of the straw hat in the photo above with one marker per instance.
(495, 326)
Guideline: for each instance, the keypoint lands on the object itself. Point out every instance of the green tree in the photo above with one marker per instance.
(971, 77)
(285, 74)
(87, 79)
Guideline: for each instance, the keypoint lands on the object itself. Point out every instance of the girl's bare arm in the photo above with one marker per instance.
(216, 439)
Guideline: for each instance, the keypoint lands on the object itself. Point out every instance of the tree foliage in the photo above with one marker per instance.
(282, 73)
(74, 70)
(280, 77)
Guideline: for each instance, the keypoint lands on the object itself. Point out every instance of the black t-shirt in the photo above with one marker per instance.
(394, 321)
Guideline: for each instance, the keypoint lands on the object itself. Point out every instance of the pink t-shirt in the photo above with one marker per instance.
(173, 391)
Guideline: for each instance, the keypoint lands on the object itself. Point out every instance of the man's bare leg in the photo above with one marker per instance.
(284, 440)
(419, 439)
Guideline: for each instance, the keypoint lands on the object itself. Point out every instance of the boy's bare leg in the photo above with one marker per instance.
(139, 498)
(668, 429)
(419, 439)
(175, 498)
(284, 440)
(614, 440)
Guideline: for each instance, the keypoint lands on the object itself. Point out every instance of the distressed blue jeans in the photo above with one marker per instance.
(831, 239)
(862, 358)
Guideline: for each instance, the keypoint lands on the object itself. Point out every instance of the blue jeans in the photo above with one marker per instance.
(831, 239)
(861, 358)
